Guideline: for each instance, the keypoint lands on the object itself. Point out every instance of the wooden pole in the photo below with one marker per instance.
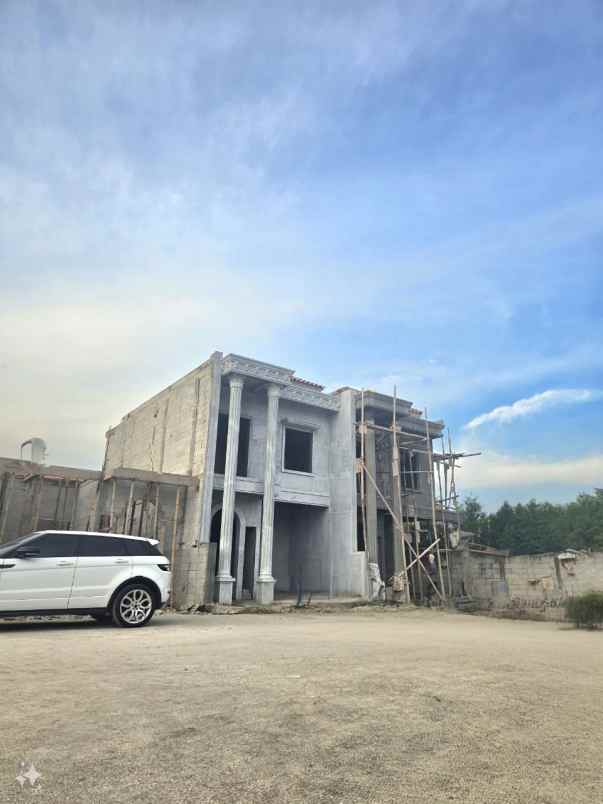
(112, 508)
(424, 553)
(156, 513)
(143, 509)
(417, 548)
(76, 496)
(394, 517)
(453, 496)
(6, 500)
(397, 491)
(433, 512)
(444, 507)
(58, 503)
(39, 490)
(95, 508)
(64, 506)
(130, 510)
(175, 528)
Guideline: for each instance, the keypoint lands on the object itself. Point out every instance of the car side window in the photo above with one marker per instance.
(138, 547)
(99, 546)
(54, 545)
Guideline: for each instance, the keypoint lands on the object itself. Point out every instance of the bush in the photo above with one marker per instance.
(585, 609)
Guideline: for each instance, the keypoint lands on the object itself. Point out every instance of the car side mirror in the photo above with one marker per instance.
(27, 552)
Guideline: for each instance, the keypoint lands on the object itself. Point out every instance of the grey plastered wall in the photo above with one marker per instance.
(301, 543)
(348, 564)
(317, 420)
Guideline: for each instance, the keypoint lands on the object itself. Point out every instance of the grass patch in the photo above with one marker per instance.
(585, 610)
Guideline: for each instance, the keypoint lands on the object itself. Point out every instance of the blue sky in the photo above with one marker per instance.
(371, 193)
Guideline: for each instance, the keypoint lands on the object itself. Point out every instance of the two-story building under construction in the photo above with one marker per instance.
(258, 482)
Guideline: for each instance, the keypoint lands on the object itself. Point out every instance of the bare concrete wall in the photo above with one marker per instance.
(168, 432)
(534, 586)
(480, 576)
(301, 544)
(541, 583)
(36, 497)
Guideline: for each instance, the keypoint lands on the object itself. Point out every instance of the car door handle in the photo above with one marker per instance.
(6, 566)
(65, 563)
(122, 561)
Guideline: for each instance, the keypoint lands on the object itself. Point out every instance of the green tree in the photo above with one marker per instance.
(539, 527)
(474, 518)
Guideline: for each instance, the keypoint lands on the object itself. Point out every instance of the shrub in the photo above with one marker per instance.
(585, 609)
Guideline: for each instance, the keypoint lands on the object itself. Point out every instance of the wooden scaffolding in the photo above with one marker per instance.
(424, 570)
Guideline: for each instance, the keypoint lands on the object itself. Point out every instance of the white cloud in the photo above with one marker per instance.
(535, 404)
(496, 470)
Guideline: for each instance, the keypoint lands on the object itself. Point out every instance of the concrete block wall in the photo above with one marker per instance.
(532, 586)
(168, 432)
(483, 578)
(35, 496)
(541, 583)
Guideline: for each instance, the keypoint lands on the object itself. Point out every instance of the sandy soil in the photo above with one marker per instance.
(353, 706)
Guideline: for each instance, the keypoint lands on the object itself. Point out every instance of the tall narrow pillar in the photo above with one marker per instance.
(224, 579)
(371, 495)
(265, 583)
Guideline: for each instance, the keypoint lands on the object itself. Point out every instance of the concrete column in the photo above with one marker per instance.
(224, 579)
(371, 495)
(265, 582)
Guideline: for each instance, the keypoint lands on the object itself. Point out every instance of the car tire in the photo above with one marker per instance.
(101, 618)
(133, 606)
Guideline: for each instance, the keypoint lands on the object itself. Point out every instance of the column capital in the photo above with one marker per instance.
(273, 391)
(235, 381)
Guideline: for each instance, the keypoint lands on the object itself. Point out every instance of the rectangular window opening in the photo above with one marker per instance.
(298, 450)
(409, 469)
(221, 441)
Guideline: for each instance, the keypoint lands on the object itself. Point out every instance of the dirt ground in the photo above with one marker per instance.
(350, 706)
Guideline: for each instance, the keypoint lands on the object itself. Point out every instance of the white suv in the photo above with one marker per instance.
(106, 575)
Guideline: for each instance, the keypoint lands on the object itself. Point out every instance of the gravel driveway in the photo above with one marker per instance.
(347, 706)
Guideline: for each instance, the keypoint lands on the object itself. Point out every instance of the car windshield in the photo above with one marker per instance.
(7, 547)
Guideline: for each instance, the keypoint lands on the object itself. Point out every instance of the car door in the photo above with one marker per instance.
(38, 575)
(103, 563)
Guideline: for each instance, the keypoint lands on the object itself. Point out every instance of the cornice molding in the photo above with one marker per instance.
(255, 368)
(318, 400)
(282, 377)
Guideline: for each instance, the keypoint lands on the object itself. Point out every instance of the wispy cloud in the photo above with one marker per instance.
(285, 182)
(535, 404)
(497, 470)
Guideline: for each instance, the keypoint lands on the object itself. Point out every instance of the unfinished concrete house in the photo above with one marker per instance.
(275, 499)
(257, 483)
